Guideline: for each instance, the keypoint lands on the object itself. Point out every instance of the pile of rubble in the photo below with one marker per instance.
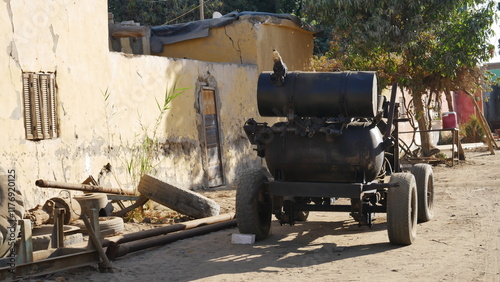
(88, 229)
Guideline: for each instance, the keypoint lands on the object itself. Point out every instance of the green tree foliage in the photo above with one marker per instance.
(472, 131)
(159, 12)
(250, 5)
(425, 46)
(293, 7)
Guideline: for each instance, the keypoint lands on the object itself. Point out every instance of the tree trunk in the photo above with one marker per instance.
(449, 100)
(423, 124)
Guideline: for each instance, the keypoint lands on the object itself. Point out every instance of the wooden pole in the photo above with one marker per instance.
(461, 153)
(202, 13)
(482, 120)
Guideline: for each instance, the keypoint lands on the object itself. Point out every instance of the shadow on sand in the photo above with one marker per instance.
(287, 247)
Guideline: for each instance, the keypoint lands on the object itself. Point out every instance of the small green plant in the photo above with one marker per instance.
(142, 160)
(142, 156)
(441, 156)
(109, 113)
(472, 131)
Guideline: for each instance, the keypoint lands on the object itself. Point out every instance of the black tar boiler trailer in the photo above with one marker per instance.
(339, 140)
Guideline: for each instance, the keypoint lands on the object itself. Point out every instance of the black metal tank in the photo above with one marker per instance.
(319, 94)
(320, 142)
(356, 156)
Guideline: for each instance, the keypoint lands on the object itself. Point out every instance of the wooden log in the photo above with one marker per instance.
(120, 31)
(181, 200)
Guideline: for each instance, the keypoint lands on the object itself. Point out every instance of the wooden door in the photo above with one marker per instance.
(213, 151)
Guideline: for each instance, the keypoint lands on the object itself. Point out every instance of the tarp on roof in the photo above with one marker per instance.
(168, 34)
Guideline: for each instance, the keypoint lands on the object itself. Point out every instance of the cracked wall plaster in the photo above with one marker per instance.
(17, 113)
(250, 40)
(55, 39)
(90, 136)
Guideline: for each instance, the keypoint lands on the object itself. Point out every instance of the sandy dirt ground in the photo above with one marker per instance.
(461, 243)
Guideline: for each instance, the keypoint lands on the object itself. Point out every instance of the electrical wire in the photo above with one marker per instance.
(185, 13)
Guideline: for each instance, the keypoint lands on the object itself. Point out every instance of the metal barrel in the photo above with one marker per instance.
(319, 94)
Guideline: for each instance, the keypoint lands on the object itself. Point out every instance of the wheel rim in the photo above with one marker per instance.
(414, 211)
(430, 193)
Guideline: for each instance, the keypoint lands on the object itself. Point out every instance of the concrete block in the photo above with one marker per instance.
(246, 239)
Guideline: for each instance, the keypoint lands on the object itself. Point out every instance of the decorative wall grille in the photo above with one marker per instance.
(40, 117)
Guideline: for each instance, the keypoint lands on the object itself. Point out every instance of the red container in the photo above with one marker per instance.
(450, 120)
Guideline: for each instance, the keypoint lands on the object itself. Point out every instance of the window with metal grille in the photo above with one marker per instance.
(40, 118)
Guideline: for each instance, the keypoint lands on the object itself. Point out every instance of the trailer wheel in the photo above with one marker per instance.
(425, 190)
(402, 209)
(253, 204)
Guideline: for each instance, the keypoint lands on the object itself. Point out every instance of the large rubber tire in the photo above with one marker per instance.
(108, 225)
(402, 209)
(181, 200)
(425, 190)
(42, 235)
(253, 204)
(11, 208)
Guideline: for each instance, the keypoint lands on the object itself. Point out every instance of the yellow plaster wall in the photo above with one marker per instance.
(70, 38)
(294, 45)
(229, 44)
(249, 40)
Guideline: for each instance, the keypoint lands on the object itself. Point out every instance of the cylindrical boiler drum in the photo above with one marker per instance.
(355, 156)
(319, 94)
